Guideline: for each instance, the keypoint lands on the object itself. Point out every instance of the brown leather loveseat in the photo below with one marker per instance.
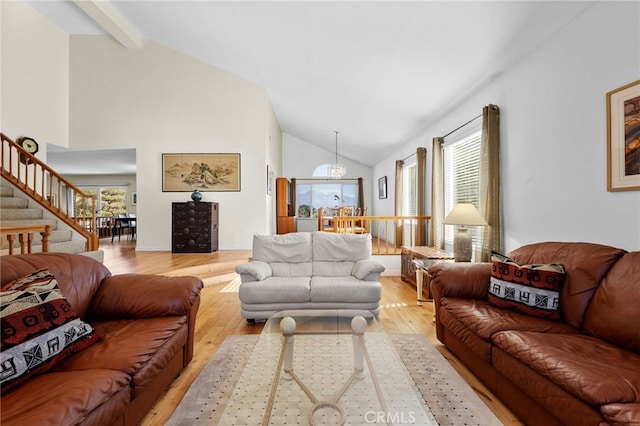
(583, 369)
(144, 326)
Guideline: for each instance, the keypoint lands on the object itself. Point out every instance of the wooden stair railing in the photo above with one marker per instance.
(25, 237)
(49, 189)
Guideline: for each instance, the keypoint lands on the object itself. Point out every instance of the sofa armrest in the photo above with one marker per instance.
(144, 296)
(254, 270)
(367, 270)
(462, 280)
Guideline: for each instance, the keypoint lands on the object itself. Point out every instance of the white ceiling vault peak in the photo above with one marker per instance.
(379, 71)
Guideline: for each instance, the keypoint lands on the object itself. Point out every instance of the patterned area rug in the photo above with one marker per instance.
(449, 399)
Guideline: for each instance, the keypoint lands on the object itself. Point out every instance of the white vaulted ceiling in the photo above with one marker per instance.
(379, 72)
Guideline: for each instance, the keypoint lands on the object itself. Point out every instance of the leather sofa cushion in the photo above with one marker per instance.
(486, 320)
(592, 370)
(290, 269)
(72, 397)
(78, 276)
(138, 347)
(276, 290)
(614, 312)
(475, 321)
(347, 289)
(332, 268)
(586, 264)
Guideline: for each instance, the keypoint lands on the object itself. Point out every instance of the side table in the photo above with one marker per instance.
(422, 271)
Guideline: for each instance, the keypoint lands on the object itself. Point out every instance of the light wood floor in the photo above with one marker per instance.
(219, 315)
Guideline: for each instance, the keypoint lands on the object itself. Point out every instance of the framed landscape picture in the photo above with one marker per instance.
(623, 138)
(204, 172)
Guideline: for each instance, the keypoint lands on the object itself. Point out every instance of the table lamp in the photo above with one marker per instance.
(463, 214)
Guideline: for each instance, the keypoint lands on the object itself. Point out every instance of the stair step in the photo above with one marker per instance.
(20, 214)
(5, 191)
(14, 203)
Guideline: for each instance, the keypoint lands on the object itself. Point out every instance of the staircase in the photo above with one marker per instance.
(20, 211)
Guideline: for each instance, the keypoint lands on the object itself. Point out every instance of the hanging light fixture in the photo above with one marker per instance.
(336, 170)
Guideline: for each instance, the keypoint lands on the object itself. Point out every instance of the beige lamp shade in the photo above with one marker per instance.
(465, 214)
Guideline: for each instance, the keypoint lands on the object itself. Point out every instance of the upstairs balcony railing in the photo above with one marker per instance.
(389, 233)
(49, 189)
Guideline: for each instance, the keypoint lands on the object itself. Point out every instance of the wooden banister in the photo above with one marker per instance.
(25, 236)
(49, 189)
(385, 230)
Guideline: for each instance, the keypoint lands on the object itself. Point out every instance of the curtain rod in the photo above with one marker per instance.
(460, 127)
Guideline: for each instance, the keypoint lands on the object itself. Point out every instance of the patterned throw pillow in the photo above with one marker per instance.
(530, 289)
(39, 328)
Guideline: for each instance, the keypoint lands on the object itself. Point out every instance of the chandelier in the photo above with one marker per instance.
(336, 170)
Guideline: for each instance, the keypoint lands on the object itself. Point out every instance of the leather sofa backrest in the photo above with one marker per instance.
(335, 254)
(614, 312)
(586, 265)
(78, 276)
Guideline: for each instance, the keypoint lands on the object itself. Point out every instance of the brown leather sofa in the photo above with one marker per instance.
(581, 370)
(145, 325)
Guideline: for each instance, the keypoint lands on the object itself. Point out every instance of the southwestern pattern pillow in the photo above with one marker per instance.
(530, 289)
(39, 328)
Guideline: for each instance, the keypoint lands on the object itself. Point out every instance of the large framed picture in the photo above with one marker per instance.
(382, 187)
(204, 172)
(623, 138)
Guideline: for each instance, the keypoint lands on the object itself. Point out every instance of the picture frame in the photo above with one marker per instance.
(134, 198)
(271, 176)
(382, 187)
(623, 138)
(205, 172)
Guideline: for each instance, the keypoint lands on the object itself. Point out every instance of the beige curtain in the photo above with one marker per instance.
(490, 182)
(421, 174)
(436, 236)
(398, 240)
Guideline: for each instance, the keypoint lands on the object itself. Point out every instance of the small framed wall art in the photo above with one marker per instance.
(382, 187)
(204, 172)
(623, 138)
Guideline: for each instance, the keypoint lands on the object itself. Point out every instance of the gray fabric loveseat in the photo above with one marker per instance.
(309, 270)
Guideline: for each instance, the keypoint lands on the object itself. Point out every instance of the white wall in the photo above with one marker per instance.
(300, 159)
(553, 133)
(34, 77)
(160, 101)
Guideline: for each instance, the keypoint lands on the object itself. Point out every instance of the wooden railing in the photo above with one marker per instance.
(25, 236)
(389, 233)
(49, 189)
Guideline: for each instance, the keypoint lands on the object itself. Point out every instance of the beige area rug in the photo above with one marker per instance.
(450, 400)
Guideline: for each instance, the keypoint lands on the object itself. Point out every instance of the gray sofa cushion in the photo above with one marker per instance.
(291, 248)
(332, 247)
(332, 269)
(276, 290)
(344, 289)
(285, 269)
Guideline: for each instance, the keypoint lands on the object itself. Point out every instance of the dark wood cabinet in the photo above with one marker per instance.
(194, 227)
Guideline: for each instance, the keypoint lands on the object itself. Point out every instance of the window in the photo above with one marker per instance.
(328, 195)
(462, 177)
(111, 201)
(409, 187)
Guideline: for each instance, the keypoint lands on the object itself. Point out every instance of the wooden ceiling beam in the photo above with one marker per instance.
(106, 15)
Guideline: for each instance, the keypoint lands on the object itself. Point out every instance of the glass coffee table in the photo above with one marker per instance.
(325, 367)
